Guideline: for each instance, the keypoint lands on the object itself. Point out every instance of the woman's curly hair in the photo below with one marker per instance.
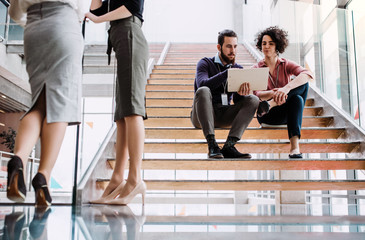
(279, 36)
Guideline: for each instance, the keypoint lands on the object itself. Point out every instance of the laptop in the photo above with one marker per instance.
(257, 77)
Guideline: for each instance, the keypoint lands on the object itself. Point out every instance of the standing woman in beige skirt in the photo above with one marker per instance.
(53, 48)
(131, 51)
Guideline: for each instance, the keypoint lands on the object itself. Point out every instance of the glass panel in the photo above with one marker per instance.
(358, 19)
(16, 32)
(3, 13)
(97, 120)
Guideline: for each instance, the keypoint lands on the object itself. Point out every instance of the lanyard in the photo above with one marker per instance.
(277, 77)
(223, 84)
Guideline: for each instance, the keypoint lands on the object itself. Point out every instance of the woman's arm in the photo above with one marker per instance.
(16, 13)
(119, 13)
(95, 4)
(265, 95)
(281, 94)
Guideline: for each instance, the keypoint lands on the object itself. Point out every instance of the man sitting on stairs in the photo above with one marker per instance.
(212, 103)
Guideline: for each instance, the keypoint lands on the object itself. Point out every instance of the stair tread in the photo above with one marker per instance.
(250, 185)
(250, 160)
(248, 181)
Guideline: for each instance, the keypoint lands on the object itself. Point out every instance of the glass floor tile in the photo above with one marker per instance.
(183, 221)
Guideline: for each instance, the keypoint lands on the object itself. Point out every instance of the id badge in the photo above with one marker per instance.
(224, 99)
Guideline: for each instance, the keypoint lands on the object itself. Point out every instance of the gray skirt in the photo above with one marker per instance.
(131, 51)
(53, 48)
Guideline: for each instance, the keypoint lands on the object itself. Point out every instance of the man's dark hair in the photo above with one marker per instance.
(279, 37)
(225, 33)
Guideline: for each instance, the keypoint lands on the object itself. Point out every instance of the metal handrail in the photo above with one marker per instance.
(6, 3)
(164, 53)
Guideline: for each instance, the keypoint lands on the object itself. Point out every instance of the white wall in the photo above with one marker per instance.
(256, 17)
(186, 21)
(178, 21)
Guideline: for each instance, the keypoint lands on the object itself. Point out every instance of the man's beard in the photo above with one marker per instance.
(226, 58)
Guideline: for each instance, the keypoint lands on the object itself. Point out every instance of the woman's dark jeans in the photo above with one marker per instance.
(290, 113)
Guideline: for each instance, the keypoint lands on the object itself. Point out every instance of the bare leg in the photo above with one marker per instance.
(294, 145)
(135, 133)
(51, 140)
(29, 130)
(121, 158)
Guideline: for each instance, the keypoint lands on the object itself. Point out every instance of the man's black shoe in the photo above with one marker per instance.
(232, 152)
(213, 149)
(214, 152)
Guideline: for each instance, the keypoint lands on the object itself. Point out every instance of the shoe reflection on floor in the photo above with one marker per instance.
(15, 227)
(38, 226)
(117, 216)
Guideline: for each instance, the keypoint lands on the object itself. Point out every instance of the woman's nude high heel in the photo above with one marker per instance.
(140, 188)
(111, 195)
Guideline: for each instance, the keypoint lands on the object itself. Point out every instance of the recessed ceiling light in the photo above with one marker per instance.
(3, 96)
(2, 124)
(1, 111)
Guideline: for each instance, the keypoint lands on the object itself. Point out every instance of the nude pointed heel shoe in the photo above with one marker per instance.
(111, 195)
(140, 188)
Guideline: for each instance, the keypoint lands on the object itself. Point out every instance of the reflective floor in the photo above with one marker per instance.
(184, 221)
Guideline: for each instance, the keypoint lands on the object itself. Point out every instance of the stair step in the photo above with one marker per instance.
(249, 185)
(250, 133)
(185, 111)
(169, 94)
(172, 81)
(174, 70)
(260, 220)
(172, 76)
(196, 59)
(182, 102)
(286, 235)
(176, 66)
(253, 147)
(169, 87)
(250, 164)
(308, 121)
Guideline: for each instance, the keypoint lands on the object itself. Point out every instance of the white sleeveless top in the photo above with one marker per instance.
(18, 8)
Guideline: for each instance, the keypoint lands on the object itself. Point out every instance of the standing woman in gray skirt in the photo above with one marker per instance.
(53, 48)
(131, 51)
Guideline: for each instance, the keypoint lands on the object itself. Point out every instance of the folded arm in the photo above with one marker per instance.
(203, 78)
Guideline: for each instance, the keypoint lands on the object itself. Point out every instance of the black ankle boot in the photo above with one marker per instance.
(43, 198)
(16, 189)
(213, 148)
(230, 151)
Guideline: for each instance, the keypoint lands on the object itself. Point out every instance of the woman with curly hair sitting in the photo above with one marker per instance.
(283, 100)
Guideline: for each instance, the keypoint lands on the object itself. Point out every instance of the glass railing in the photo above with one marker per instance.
(327, 42)
(3, 18)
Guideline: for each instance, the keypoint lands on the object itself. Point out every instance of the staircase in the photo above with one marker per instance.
(172, 143)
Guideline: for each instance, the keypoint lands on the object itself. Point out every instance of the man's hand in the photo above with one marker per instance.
(280, 95)
(244, 89)
(93, 17)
